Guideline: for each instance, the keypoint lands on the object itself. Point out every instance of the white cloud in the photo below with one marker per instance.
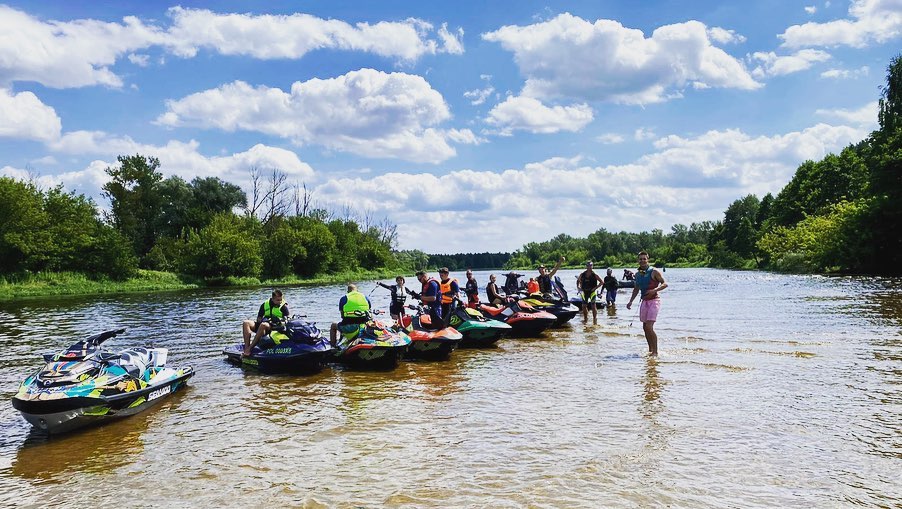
(724, 36)
(610, 139)
(464, 137)
(643, 134)
(138, 59)
(773, 65)
(479, 96)
(184, 158)
(451, 43)
(45, 161)
(568, 57)
(528, 114)
(78, 53)
(683, 180)
(366, 112)
(846, 73)
(865, 116)
(87, 181)
(869, 22)
(292, 36)
(810, 9)
(24, 116)
(67, 54)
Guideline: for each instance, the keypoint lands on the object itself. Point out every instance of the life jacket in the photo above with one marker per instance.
(445, 288)
(398, 295)
(269, 311)
(544, 283)
(645, 281)
(532, 287)
(426, 287)
(356, 306)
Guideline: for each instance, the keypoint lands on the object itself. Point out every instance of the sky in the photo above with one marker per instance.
(472, 126)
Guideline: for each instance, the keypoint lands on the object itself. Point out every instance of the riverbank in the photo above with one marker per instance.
(48, 284)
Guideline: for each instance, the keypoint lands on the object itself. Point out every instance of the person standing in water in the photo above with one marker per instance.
(398, 297)
(588, 283)
(610, 286)
(650, 282)
(472, 290)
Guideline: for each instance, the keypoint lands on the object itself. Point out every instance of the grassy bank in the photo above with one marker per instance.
(45, 284)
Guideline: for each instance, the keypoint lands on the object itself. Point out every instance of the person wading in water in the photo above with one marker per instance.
(650, 282)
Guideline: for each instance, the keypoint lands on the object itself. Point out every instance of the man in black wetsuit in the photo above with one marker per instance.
(587, 283)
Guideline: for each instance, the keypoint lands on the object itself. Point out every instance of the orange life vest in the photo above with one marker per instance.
(445, 288)
(532, 287)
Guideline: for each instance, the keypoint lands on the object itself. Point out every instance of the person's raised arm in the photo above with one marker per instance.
(556, 266)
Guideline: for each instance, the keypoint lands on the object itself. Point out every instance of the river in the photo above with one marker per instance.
(770, 390)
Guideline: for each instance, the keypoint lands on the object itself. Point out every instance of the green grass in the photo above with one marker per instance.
(44, 284)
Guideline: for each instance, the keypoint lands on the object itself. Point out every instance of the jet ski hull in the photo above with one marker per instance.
(293, 361)
(55, 413)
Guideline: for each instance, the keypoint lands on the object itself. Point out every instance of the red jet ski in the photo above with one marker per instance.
(525, 320)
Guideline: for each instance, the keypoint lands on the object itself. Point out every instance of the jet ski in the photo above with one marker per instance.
(558, 303)
(86, 385)
(426, 341)
(371, 345)
(525, 320)
(477, 330)
(297, 346)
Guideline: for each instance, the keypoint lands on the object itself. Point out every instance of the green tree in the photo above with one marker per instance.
(135, 199)
(228, 246)
(23, 225)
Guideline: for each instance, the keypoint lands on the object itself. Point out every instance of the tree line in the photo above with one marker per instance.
(841, 213)
(206, 228)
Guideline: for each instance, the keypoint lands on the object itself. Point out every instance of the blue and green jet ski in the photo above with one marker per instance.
(86, 385)
(370, 345)
(477, 330)
(296, 347)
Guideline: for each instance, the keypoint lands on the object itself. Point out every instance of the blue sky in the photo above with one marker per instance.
(473, 127)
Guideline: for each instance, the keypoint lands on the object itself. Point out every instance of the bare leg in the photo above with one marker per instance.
(246, 329)
(651, 337)
(594, 313)
(585, 309)
(262, 330)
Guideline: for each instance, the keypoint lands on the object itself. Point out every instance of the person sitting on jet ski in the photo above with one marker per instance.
(273, 310)
(398, 297)
(491, 291)
(355, 309)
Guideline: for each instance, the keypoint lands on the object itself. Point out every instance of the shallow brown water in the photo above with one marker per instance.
(771, 390)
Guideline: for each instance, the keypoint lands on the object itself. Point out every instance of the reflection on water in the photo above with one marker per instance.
(792, 402)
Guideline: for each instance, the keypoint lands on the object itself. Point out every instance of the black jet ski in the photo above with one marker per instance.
(297, 346)
(87, 385)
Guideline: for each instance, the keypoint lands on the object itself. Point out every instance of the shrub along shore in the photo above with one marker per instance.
(46, 284)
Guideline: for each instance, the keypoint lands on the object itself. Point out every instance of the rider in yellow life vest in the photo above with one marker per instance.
(274, 309)
(355, 309)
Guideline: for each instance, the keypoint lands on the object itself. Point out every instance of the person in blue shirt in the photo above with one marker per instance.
(431, 297)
